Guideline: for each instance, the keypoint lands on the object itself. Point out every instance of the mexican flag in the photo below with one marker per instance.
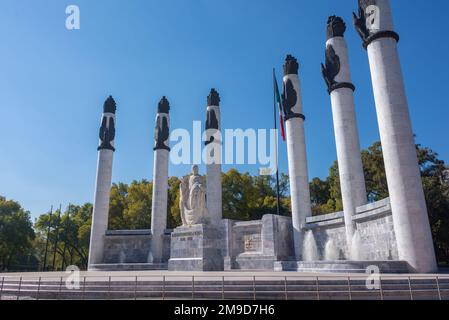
(278, 105)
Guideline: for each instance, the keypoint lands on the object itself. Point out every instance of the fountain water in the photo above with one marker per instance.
(122, 257)
(331, 252)
(310, 250)
(357, 250)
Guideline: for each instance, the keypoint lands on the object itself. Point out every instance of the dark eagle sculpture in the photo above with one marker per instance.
(332, 67)
(289, 98)
(107, 133)
(360, 23)
(162, 133)
(211, 117)
(211, 123)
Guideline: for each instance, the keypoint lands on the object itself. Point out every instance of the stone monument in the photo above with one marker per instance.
(160, 181)
(296, 149)
(103, 183)
(337, 76)
(197, 245)
(392, 234)
(374, 24)
(214, 153)
(192, 202)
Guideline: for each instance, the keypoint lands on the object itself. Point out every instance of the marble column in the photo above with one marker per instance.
(336, 73)
(214, 158)
(296, 149)
(103, 183)
(374, 23)
(160, 181)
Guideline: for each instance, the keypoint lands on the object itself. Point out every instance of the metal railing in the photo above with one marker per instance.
(226, 287)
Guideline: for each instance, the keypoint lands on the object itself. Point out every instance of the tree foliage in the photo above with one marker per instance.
(68, 235)
(16, 236)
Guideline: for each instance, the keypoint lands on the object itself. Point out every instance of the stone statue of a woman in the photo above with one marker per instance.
(193, 199)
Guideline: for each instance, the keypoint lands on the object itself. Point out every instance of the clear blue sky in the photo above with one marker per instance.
(53, 81)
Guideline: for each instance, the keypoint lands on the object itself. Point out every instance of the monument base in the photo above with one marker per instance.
(388, 267)
(128, 267)
(196, 248)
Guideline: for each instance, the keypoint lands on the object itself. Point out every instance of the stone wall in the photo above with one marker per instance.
(374, 224)
(257, 245)
(131, 246)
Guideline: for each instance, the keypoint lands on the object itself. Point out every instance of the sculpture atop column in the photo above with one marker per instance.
(193, 200)
(296, 149)
(337, 75)
(411, 223)
(103, 183)
(214, 154)
(374, 21)
(160, 181)
(336, 29)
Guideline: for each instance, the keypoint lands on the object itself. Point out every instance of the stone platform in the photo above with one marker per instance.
(129, 267)
(196, 248)
(385, 267)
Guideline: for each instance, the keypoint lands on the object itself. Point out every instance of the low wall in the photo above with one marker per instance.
(131, 246)
(374, 224)
(257, 245)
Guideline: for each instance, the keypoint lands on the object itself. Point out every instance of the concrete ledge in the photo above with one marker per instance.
(328, 223)
(388, 267)
(325, 217)
(128, 267)
(371, 215)
(373, 206)
(369, 211)
(112, 233)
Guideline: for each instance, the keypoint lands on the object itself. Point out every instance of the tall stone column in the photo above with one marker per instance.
(160, 181)
(296, 149)
(337, 76)
(214, 158)
(103, 183)
(411, 223)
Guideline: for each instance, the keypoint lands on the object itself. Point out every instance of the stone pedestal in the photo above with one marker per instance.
(196, 248)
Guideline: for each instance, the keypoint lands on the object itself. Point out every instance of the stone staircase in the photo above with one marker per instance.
(227, 289)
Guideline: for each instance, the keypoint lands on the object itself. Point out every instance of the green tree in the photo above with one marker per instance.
(16, 236)
(174, 212)
(436, 191)
(249, 198)
(138, 203)
(70, 231)
(375, 177)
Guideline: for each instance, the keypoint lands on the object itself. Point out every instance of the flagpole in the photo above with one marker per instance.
(276, 139)
(48, 235)
(56, 238)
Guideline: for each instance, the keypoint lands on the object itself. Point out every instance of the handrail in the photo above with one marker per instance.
(438, 288)
(206, 286)
(1, 290)
(410, 288)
